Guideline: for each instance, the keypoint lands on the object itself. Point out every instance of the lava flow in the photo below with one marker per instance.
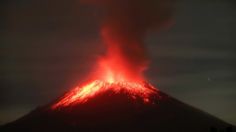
(83, 94)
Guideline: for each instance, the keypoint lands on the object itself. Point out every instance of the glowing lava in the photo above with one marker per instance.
(83, 94)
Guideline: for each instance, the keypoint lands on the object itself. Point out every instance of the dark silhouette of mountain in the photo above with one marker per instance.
(118, 112)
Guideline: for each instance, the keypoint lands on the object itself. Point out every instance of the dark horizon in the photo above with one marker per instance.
(48, 47)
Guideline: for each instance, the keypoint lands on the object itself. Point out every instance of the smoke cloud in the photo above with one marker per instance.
(125, 24)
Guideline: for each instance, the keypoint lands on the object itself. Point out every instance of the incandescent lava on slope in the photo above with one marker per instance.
(83, 94)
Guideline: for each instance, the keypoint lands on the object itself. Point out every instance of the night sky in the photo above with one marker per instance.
(49, 46)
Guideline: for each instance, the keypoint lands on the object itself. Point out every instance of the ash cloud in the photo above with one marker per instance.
(125, 24)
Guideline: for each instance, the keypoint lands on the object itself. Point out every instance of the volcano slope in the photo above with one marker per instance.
(119, 112)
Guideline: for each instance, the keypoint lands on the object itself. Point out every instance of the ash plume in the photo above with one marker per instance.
(125, 24)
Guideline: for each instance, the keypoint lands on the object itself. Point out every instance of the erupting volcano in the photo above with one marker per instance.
(114, 72)
(118, 97)
(122, 66)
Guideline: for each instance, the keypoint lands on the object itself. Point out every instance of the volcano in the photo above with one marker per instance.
(118, 98)
(117, 108)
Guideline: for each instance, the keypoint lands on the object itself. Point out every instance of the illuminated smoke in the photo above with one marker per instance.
(125, 24)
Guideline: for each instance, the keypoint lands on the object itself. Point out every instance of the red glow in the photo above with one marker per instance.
(83, 94)
(116, 71)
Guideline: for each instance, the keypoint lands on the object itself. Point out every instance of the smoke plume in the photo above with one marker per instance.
(125, 24)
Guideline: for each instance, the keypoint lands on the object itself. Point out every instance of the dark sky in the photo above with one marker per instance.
(49, 46)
